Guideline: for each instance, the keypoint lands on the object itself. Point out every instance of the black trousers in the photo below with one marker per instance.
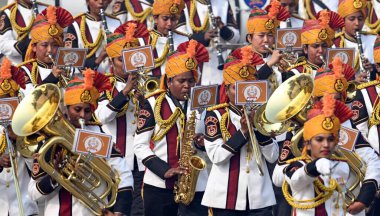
(267, 211)
(160, 202)
(137, 204)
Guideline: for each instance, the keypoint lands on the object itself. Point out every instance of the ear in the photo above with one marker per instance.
(34, 47)
(248, 38)
(305, 49)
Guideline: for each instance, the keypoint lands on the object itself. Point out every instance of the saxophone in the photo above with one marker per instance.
(184, 188)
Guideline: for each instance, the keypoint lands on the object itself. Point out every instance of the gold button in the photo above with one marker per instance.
(7, 185)
(8, 170)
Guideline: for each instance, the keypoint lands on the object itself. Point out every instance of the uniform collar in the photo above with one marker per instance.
(92, 18)
(120, 79)
(349, 38)
(314, 66)
(25, 5)
(44, 65)
(235, 109)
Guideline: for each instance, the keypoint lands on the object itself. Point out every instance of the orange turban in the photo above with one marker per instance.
(322, 29)
(334, 79)
(376, 50)
(241, 66)
(11, 79)
(187, 58)
(87, 90)
(125, 36)
(267, 21)
(167, 7)
(49, 24)
(347, 7)
(321, 120)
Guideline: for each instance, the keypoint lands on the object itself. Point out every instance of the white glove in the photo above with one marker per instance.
(323, 166)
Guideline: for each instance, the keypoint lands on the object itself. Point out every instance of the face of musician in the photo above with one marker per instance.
(231, 91)
(118, 67)
(78, 111)
(44, 48)
(181, 84)
(94, 6)
(322, 145)
(164, 23)
(314, 51)
(353, 22)
(259, 40)
(289, 5)
(377, 66)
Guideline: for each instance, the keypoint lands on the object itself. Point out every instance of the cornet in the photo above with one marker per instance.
(63, 79)
(289, 57)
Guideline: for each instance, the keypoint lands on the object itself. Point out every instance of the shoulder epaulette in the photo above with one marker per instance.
(25, 62)
(112, 16)
(182, 33)
(368, 84)
(338, 34)
(219, 106)
(7, 6)
(300, 61)
(79, 15)
(155, 93)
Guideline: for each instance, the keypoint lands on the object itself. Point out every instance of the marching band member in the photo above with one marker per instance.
(316, 178)
(57, 199)
(196, 22)
(316, 36)
(234, 186)
(11, 82)
(46, 38)
(354, 14)
(16, 21)
(160, 127)
(262, 27)
(166, 14)
(118, 108)
(88, 31)
(295, 21)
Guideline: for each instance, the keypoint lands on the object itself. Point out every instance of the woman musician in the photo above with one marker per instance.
(316, 178)
(43, 187)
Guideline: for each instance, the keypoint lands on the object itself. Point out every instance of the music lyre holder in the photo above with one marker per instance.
(5, 124)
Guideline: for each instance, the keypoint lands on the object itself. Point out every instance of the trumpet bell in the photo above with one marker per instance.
(151, 85)
(267, 128)
(290, 100)
(351, 91)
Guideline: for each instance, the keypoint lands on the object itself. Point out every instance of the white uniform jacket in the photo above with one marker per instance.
(229, 184)
(8, 198)
(229, 34)
(117, 115)
(59, 201)
(300, 177)
(13, 45)
(161, 48)
(309, 8)
(87, 28)
(159, 156)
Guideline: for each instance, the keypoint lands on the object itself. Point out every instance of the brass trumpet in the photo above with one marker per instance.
(147, 84)
(289, 57)
(63, 79)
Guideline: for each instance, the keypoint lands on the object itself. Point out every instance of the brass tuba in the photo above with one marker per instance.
(184, 189)
(91, 180)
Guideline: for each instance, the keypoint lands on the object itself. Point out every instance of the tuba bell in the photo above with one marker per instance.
(90, 179)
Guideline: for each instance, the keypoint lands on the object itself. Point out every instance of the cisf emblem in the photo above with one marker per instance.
(252, 93)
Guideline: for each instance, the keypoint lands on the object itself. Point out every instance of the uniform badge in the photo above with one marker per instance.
(2, 22)
(284, 154)
(211, 123)
(141, 123)
(70, 36)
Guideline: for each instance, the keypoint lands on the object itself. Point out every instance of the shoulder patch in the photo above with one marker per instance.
(212, 125)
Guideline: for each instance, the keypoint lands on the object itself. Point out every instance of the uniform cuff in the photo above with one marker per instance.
(235, 142)
(264, 72)
(22, 46)
(311, 169)
(46, 186)
(50, 79)
(123, 201)
(118, 102)
(262, 139)
(156, 165)
(226, 33)
(367, 192)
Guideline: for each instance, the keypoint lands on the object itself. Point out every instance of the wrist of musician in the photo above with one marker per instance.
(156, 165)
(118, 102)
(262, 139)
(367, 192)
(237, 141)
(46, 185)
